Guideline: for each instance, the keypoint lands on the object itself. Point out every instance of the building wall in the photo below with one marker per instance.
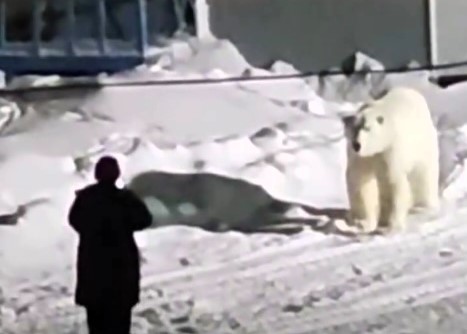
(451, 23)
(312, 34)
(318, 34)
(450, 20)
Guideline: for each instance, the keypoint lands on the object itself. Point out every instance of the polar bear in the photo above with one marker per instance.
(392, 163)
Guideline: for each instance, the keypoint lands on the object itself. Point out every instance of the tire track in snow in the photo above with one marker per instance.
(297, 258)
(371, 252)
(387, 297)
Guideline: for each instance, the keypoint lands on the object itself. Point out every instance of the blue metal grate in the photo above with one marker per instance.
(67, 56)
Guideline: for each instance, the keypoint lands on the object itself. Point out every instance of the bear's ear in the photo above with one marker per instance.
(364, 105)
(380, 119)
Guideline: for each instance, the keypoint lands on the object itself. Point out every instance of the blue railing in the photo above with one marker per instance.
(72, 55)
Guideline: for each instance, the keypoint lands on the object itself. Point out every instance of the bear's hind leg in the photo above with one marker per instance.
(425, 187)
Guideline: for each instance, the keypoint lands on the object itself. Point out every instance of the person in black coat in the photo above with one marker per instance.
(108, 266)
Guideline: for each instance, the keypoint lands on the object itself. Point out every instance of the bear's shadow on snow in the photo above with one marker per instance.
(218, 203)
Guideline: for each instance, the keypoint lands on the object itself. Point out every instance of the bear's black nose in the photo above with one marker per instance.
(356, 146)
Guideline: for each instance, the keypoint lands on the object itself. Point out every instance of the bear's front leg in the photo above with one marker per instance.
(400, 203)
(364, 202)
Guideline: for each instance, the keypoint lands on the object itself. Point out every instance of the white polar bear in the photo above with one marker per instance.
(393, 161)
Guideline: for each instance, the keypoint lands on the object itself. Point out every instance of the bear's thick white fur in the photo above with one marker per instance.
(393, 161)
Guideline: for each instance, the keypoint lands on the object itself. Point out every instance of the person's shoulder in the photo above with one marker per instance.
(127, 193)
(86, 191)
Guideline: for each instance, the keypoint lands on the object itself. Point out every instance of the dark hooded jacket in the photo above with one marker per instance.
(108, 266)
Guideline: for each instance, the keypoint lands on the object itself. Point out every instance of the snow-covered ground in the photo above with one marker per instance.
(259, 163)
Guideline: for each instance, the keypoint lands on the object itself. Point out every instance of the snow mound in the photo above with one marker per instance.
(361, 62)
(248, 182)
(9, 113)
(229, 182)
(201, 57)
(280, 67)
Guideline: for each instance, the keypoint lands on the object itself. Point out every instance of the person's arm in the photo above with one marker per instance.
(141, 217)
(75, 215)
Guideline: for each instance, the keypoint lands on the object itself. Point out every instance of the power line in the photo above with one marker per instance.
(78, 84)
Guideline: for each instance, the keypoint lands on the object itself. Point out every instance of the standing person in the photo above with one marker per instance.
(108, 268)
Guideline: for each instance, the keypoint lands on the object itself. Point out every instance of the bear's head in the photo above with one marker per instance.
(368, 132)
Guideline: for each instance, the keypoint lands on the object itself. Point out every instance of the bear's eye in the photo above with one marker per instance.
(380, 119)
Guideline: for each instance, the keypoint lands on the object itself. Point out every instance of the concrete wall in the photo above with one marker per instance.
(451, 23)
(318, 34)
(450, 20)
